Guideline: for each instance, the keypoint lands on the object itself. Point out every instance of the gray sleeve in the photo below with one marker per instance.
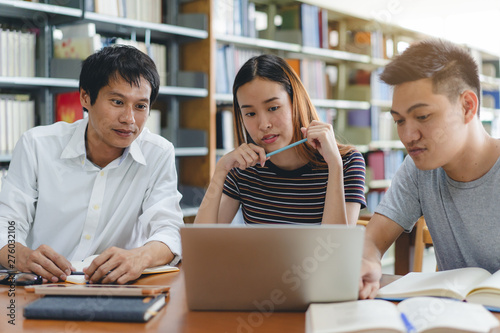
(401, 203)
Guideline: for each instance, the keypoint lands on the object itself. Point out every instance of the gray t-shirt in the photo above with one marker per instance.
(463, 217)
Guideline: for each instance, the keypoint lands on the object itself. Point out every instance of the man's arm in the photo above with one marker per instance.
(121, 266)
(380, 233)
(43, 261)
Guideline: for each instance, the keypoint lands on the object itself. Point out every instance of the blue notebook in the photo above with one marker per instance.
(96, 308)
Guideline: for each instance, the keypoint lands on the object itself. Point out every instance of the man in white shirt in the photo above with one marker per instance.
(101, 185)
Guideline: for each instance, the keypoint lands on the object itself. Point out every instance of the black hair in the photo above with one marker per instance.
(118, 60)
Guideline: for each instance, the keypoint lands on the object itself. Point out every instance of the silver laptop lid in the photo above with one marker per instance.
(270, 268)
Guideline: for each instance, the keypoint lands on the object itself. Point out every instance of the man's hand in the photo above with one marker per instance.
(120, 266)
(43, 261)
(369, 283)
(380, 233)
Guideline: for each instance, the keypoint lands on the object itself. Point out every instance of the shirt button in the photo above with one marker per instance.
(102, 173)
(87, 237)
(96, 207)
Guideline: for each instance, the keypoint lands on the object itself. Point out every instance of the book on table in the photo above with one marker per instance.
(80, 265)
(418, 314)
(473, 284)
(96, 308)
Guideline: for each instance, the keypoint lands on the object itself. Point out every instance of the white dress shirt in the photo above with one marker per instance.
(55, 196)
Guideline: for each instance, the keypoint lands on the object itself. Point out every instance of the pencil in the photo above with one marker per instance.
(286, 147)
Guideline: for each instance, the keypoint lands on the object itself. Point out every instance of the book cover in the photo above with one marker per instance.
(375, 162)
(95, 308)
(68, 107)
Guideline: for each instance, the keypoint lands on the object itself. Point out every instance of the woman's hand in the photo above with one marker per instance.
(321, 137)
(243, 157)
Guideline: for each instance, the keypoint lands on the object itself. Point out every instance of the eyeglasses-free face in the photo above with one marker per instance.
(17, 278)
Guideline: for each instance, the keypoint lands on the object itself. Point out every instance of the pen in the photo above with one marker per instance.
(286, 147)
(409, 327)
(77, 273)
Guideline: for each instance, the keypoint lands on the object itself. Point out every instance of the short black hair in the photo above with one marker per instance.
(451, 68)
(126, 61)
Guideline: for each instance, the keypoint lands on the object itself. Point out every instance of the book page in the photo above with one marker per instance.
(160, 269)
(487, 292)
(454, 283)
(432, 314)
(80, 265)
(356, 316)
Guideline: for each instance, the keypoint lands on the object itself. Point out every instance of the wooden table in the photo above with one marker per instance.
(174, 317)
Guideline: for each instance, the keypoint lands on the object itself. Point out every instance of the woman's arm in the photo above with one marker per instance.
(217, 207)
(335, 211)
(320, 135)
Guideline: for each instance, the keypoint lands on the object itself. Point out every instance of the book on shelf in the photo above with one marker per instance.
(327, 115)
(313, 76)
(229, 60)
(68, 107)
(153, 123)
(473, 284)
(77, 30)
(420, 314)
(373, 198)
(384, 163)
(17, 53)
(376, 162)
(392, 161)
(303, 24)
(81, 264)
(225, 130)
(359, 118)
(147, 11)
(17, 115)
(96, 308)
(491, 68)
(221, 79)
(491, 98)
(295, 64)
(235, 17)
(76, 47)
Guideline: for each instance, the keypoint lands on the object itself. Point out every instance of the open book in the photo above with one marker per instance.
(80, 265)
(473, 284)
(418, 314)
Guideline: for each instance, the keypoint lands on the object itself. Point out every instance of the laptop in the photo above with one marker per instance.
(270, 268)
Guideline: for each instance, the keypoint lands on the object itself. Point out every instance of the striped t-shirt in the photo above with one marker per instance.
(270, 195)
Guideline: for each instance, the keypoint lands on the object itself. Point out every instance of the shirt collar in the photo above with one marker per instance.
(76, 146)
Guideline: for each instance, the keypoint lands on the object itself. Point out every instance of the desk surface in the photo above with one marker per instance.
(174, 317)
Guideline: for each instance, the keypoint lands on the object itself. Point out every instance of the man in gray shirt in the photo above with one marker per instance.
(451, 175)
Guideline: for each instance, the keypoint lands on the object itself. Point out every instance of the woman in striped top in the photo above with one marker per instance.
(320, 181)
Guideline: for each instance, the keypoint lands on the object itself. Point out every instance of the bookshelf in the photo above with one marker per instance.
(183, 82)
(489, 69)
